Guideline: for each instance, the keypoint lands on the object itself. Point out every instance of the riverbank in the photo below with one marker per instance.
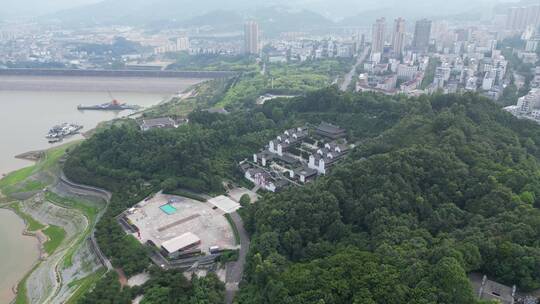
(62, 223)
(65, 265)
(18, 261)
(26, 116)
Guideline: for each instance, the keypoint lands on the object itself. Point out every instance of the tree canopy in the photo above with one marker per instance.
(437, 187)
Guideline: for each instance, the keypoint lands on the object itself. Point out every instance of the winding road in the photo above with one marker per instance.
(235, 270)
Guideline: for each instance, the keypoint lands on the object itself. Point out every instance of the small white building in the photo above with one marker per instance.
(318, 162)
(175, 246)
(262, 179)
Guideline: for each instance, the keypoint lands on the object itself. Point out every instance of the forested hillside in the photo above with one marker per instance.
(436, 188)
(450, 189)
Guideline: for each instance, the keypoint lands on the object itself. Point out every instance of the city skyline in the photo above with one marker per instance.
(255, 152)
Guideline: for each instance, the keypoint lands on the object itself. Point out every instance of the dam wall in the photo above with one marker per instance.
(117, 73)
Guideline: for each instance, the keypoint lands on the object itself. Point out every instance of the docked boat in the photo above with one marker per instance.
(114, 105)
(59, 132)
(110, 106)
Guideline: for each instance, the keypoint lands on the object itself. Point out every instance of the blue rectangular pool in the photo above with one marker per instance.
(168, 209)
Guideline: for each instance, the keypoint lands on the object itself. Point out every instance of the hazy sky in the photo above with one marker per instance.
(330, 8)
(38, 7)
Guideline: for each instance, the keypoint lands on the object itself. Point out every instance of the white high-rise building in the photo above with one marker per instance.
(519, 18)
(398, 36)
(377, 36)
(406, 72)
(251, 38)
(182, 43)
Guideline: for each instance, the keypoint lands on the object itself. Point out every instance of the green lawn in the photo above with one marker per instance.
(21, 297)
(16, 177)
(56, 235)
(89, 211)
(53, 155)
(292, 78)
(31, 224)
(11, 182)
(30, 185)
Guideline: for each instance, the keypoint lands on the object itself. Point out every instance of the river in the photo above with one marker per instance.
(14, 262)
(28, 108)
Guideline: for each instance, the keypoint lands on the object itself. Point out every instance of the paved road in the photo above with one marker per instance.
(349, 76)
(235, 270)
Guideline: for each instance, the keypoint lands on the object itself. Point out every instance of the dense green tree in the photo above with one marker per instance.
(437, 187)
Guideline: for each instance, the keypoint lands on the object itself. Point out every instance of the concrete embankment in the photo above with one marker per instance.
(85, 190)
(89, 191)
(32, 155)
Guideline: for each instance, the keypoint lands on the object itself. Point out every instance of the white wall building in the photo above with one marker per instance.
(406, 72)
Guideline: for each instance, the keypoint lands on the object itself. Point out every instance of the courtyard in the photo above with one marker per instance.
(161, 218)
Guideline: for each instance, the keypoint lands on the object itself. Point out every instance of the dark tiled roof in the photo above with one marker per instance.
(330, 128)
(305, 171)
(217, 110)
(158, 122)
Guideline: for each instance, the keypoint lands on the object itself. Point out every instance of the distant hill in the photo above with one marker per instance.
(273, 20)
(437, 9)
(171, 13)
(423, 9)
(32, 8)
(142, 11)
(310, 12)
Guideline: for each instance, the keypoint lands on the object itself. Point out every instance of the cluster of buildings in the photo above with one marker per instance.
(297, 46)
(296, 157)
(526, 21)
(178, 44)
(311, 48)
(520, 18)
(406, 57)
(57, 47)
(528, 106)
(30, 45)
(473, 72)
(435, 56)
